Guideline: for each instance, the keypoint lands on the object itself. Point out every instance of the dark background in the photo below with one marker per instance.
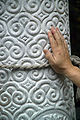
(74, 7)
(74, 16)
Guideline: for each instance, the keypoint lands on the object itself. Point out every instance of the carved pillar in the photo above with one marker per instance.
(37, 94)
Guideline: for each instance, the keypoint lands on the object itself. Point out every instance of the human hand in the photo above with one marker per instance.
(59, 59)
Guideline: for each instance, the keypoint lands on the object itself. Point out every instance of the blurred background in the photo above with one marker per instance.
(74, 15)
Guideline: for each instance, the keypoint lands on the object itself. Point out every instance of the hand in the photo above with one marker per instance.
(59, 59)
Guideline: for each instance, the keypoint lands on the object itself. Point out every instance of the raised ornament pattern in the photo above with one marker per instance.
(37, 94)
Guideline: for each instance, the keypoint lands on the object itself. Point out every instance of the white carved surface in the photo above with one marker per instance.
(38, 94)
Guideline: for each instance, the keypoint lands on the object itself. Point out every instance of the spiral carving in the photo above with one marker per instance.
(2, 29)
(31, 5)
(50, 74)
(5, 99)
(53, 95)
(16, 52)
(38, 96)
(60, 6)
(55, 20)
(15, 28)
(19, 75)
(34, 50)
(20, 97)
(48, 5)
(36, 75)
(13, 6)
(2, 8)
(4, 75)
(3, 53)
(33, 27)
(5, 115)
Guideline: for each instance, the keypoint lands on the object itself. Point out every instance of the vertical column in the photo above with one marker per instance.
(37, 94)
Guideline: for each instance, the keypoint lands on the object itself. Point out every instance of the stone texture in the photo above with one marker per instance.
(39, 94)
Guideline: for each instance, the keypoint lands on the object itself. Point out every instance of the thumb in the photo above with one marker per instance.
(49, 56)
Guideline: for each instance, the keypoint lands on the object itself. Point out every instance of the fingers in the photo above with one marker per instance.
(62, 38)
(64, 44)
(60, 35)
(52, 40)
(56, 36)
(49, 56)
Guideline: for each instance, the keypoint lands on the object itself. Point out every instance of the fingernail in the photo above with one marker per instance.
(57, 28)
(53, 30)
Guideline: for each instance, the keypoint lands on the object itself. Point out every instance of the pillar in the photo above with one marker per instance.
(34, 94)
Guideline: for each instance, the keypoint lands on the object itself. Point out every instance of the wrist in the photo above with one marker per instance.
(69, 70)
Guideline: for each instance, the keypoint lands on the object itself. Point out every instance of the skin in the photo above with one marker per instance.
(59, 59)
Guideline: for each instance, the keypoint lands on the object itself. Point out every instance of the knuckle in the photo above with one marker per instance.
(63, 39)
(56, 33)
(58, 38)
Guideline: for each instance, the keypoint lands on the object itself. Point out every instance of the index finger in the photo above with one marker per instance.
(52, 40)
